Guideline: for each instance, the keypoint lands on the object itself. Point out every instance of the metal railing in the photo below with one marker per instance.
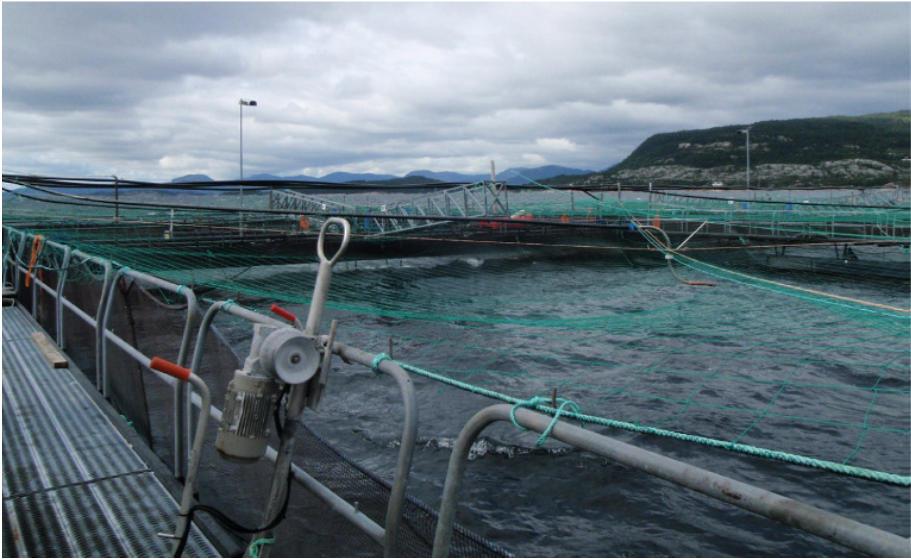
(470, 200)
(385, 535)
(305, 204)
(839, 529)
(836, 528)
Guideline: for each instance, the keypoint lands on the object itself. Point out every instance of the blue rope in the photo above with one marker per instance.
(532, 403)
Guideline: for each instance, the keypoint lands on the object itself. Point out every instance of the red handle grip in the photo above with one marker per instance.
(169, 368)
(287, 315)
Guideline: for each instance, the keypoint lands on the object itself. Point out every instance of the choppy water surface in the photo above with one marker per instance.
(628, 343)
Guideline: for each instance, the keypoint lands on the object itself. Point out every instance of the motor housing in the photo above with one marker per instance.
(279, 356)
(245, 422)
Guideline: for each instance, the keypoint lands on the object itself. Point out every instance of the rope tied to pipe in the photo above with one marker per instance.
(257, 544)
(638, 427)
(533, 403)
(379, 358)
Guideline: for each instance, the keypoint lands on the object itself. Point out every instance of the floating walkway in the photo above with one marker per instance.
(73, 486)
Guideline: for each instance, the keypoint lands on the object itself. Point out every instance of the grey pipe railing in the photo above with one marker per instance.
(106, 285)
(62, 302)
(17, 278)
(341, 506)
(181, 394)
(7, 250)
(839, 529)
(189, 487)
(409, 437)
(53, 292)
(409, 432)
(384, 536)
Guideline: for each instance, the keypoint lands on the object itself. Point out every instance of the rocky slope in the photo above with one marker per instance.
(868, 150)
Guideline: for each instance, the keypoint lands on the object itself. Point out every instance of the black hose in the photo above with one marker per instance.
(231, 524)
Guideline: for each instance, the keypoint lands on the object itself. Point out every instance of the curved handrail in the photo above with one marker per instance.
(833, 527)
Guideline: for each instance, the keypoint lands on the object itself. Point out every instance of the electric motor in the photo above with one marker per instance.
(245, 422)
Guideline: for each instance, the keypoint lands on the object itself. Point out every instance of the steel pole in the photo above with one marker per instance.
(241, 154)
(748, 158)
(240, 221)
(116, 199)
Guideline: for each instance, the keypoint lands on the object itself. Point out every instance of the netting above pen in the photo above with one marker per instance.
(787, 361)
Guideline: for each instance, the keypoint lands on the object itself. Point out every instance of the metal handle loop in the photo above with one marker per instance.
(346, 236)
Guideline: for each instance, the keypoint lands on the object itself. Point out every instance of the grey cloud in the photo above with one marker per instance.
(150, 90)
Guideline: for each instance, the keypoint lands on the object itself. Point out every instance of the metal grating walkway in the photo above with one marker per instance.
(72, 485)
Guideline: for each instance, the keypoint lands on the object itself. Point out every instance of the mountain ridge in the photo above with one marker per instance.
(513, 176)
(865, 150)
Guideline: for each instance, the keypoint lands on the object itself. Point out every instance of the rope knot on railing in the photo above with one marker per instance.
(535, 403)
(379, 358)
(255, 548)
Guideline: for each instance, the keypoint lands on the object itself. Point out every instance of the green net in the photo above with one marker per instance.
(780, 363)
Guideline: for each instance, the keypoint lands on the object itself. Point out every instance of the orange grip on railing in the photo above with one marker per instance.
(287, 315)
(169, 368)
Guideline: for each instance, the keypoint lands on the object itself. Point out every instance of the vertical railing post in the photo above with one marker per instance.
(34, 285)
(100, 351)
(116, 199)
(58, 309)
(181, 397)
(22, 248)
(182, 404)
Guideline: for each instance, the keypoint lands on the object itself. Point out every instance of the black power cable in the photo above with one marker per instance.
(228, 522)
(231, 524)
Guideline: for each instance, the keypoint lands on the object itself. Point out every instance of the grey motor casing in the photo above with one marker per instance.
(244, 430)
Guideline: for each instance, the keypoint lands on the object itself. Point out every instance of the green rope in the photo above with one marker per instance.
(257, 545)
(379, 358)
(532, 403)
(201, 268)
(826, 465)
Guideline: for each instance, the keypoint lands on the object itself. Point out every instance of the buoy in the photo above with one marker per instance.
(304, 223)
(656, 221)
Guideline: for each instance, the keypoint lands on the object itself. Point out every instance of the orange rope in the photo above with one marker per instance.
(37, 245)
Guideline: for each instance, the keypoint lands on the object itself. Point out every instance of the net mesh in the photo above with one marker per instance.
(744, 363)
(152, 323)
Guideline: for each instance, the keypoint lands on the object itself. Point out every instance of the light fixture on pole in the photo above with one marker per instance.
(747, 132)
(243, 103)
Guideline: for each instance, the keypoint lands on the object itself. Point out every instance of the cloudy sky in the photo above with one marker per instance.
(150, 91)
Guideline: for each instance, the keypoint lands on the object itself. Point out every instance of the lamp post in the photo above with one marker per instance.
(747, 132)
(243, 103)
